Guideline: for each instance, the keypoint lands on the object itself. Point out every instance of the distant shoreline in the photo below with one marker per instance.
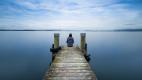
(117, 30)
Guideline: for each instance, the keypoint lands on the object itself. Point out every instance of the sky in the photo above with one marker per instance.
(70, 14)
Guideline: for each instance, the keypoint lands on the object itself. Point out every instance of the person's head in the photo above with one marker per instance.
(70, 35)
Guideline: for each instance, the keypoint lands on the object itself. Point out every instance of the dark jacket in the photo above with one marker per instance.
(70, 41)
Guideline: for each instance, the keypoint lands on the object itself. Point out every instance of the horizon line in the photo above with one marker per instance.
(69, 30)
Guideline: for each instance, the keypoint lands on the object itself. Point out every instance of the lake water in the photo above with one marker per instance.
(25, 55)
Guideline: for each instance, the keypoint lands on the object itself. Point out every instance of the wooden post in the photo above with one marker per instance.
(83, 41)
(55, 47)
(56, 40)
(53, 54)
(83, 46)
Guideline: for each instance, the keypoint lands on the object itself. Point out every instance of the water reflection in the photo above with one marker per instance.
(25, 55)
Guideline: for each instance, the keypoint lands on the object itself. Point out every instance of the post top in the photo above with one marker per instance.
(83, 34)
(56, 34)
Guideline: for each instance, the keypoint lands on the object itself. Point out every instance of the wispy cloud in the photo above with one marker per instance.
(85, 14)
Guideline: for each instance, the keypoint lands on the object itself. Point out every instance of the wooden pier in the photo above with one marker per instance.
(69, 63)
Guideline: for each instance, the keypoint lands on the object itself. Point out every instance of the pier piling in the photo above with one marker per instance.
(56, 40)
(82, 41)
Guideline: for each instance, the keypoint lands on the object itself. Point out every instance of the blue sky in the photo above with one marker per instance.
(70, 14)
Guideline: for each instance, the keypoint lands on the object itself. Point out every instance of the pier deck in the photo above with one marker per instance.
(70, 64)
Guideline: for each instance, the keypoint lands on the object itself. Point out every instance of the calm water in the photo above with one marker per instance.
(25, 55)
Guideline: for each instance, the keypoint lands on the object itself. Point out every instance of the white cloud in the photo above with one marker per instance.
(82, 13)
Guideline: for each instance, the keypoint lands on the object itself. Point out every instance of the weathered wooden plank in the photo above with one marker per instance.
(72, 74)
(69, 60)
(69, 70)
(71, 78)
(69, 65)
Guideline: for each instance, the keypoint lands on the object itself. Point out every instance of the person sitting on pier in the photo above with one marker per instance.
(70, 41)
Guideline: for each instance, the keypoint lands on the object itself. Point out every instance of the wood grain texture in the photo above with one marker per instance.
(70, 64)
